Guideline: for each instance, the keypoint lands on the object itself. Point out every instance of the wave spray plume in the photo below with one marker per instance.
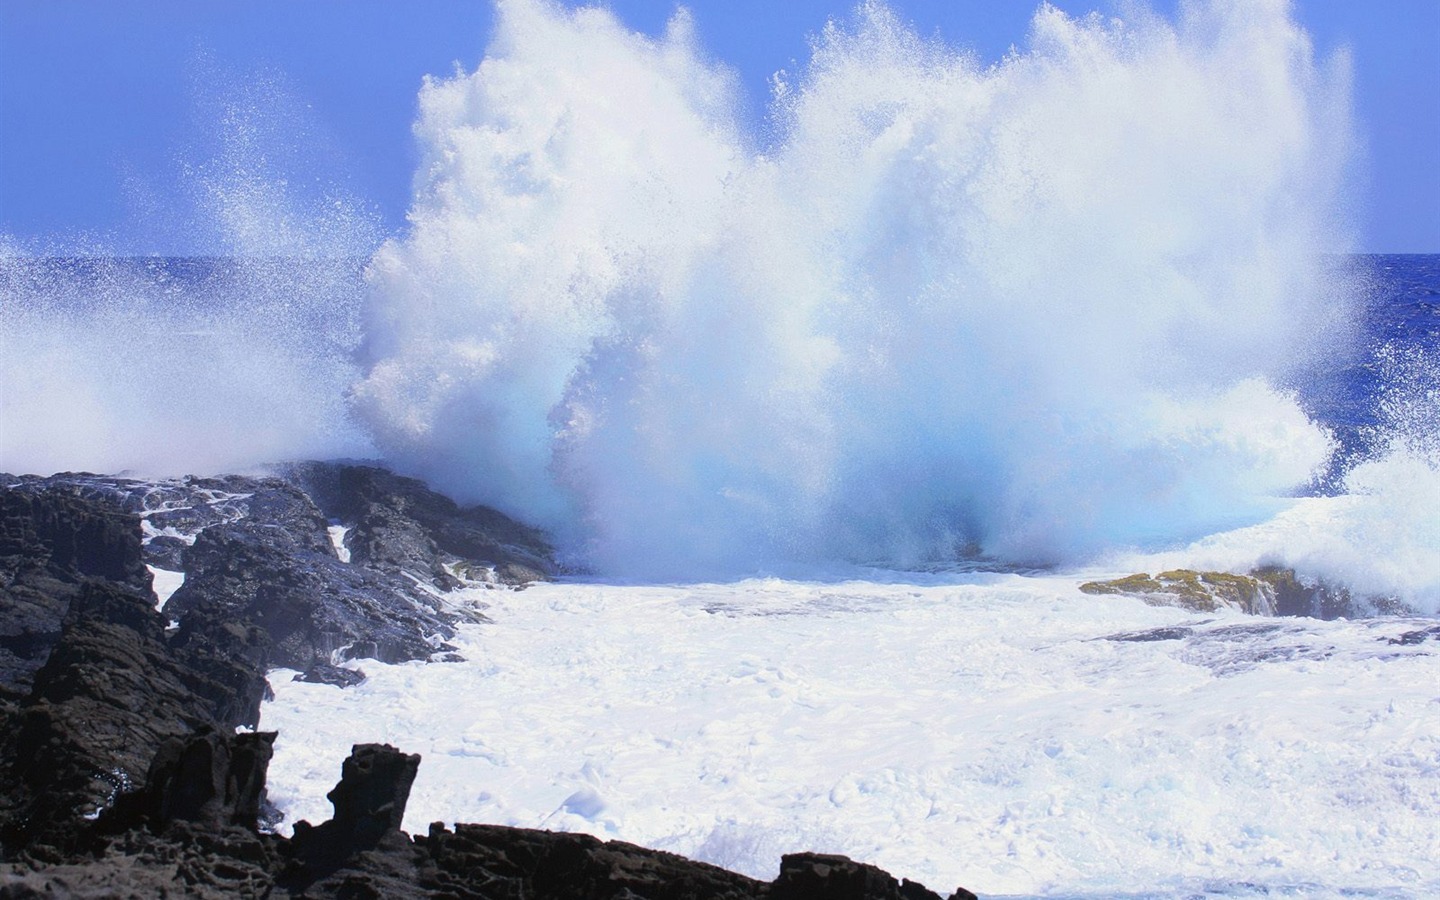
(1028, 310)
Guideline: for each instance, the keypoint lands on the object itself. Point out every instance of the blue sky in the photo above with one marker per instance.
(103, 101)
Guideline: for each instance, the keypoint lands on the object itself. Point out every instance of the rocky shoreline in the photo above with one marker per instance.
(129, 763)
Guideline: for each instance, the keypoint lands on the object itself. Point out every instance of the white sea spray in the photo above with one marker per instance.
(172, 366)
(1028, 310)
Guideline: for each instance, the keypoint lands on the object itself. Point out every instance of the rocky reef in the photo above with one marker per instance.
(1266, 591)
(129, 763)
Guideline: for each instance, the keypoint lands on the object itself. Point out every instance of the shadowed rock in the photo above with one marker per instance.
(51, 539)
(208, 779)
(824, 876)
(110, 693)
(398, 524)
(120, 771)
(369, 803)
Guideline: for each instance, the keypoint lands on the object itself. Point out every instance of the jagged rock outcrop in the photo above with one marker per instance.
(93, 678)
(189, 832)
(121, 772)
(257, 551)
(825, 876)
(111, 691)
(207, 779)
(313, 607)
(369, 806)
(398, 524)
(51, 540)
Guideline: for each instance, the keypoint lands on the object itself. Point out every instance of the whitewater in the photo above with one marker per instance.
(1004, 733)
(829, 418)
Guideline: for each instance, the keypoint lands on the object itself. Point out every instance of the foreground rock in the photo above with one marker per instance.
(189, 832)
(121, 772)
(94, 678)
(51, 541)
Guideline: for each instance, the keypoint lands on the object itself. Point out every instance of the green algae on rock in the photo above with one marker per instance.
(1189, 589)
(1266, 591)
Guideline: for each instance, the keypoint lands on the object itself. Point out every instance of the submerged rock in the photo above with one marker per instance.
(1266, 591)
(1188, 589)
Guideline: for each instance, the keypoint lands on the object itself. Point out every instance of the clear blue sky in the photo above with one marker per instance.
(102, 100)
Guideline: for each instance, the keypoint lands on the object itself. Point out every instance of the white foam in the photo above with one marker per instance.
(337, 540)
(1039, 308)
(977, 733)
(165, 583)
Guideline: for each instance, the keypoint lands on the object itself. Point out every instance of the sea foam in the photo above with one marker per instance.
(1025, 311)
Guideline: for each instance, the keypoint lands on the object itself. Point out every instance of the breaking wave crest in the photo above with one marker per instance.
(1026, 310)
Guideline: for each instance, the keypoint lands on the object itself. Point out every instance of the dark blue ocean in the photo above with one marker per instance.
(1398, 312)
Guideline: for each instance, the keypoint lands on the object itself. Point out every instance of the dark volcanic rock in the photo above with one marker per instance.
(121, 774)
(323, 673)
(364, 836)
(310, 604)
(398, 524)
(69, 535)
(51, 539)
(108, 695)
(208, 779)
(189, 832)
(493, 861)
(256, 551)
(369, 803)
(824, 876)
(108, 686)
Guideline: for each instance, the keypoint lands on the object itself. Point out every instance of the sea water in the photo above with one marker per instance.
(837, 414)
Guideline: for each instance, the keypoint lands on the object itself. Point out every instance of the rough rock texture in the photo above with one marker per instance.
(189, 833)
(398, 524)
(51, 540)
(257, 551)
(93, 679)
(823, 876)
(121, 772)
(110, 693)
(313, 607)
(369, 806)
(1267, 591)
(206, 778)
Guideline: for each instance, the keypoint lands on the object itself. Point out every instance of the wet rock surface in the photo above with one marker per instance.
(258, 551)
(1266, 591)
(397, 524)
(121, 772)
